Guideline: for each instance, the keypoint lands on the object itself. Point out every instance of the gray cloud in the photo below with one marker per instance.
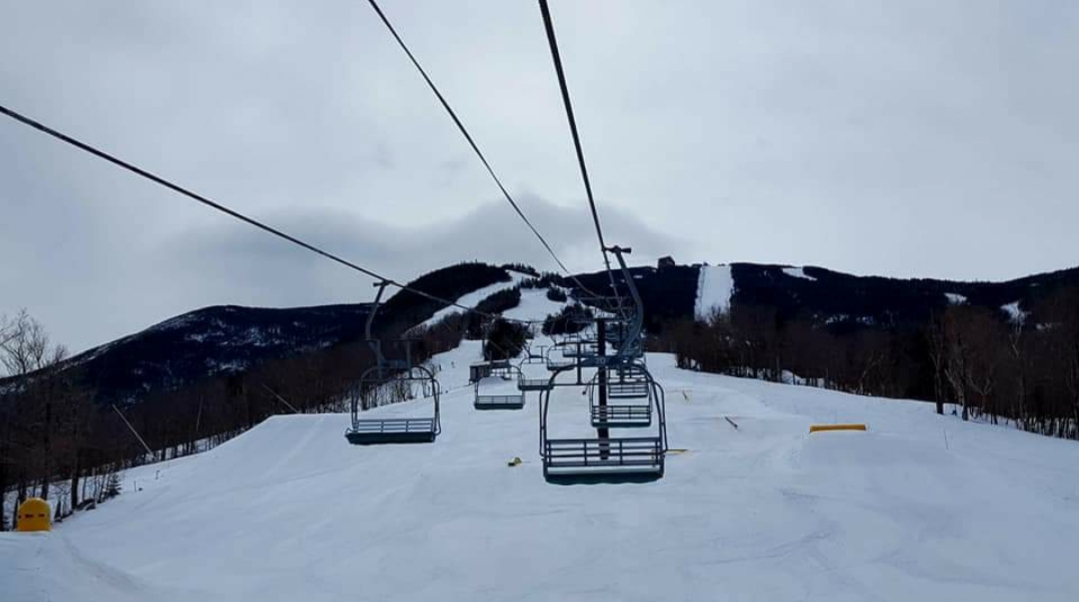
(261, 266)
(919, 138)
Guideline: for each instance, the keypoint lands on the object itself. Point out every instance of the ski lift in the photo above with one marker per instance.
(511, 401)
(480, 370)
(605, 458)
(628, 384)
(368, 431)
(390, 381)
(600, 458)
(610, 304)
(525, 384)
(579, 348)
(554, 362)
(535, 354)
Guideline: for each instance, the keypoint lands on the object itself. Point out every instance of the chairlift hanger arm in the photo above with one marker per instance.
(638, 316)
(378, 299)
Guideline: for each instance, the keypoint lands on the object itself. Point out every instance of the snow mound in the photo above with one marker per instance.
(714, 289)
(955, 298)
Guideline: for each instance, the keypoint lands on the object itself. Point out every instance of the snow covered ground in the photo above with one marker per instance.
(920, 507)
(534, 306)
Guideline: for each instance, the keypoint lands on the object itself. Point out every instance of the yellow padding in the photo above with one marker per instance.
(34, 515)
(836, 427)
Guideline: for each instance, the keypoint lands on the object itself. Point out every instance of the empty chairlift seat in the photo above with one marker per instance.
(627, 390)
(628, 404)
(607, 459)
(627, 382)
(557, 360)
(615, 458)
(392, 430)
(498, 393)
(419, 429)
(533, 384)
(535, 354)
(512, 401)
(481, 370)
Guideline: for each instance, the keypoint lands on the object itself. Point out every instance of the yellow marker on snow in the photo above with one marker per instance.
(34, 515)
(836, 427)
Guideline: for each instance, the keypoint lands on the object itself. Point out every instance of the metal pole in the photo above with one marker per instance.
(578, 358)
(601, 378)
(375, 345)
(149, 452)
(281, 399)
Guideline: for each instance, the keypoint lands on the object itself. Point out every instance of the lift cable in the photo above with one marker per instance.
(236, 214)
(475, 147)
(553, 43)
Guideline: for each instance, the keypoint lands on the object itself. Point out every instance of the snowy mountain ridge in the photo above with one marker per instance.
(229, 339)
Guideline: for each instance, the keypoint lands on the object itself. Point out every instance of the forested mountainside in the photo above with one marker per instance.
(229, 339)
(834, 298)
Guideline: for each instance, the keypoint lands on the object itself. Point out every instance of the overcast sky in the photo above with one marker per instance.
(916, 138)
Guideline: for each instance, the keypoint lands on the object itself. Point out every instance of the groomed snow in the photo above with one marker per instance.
(715, 286)
(471, 299)
(289, 511)
(534, 306)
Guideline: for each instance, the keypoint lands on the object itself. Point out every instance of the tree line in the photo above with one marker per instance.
(1019, 366)
(57, 438)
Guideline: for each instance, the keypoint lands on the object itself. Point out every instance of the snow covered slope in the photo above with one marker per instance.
(714, 290)
(289, 511)
(471, 299)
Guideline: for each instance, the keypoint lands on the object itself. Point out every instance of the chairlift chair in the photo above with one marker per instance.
(580, 348)
(383, 377)
(480, 370)
(628, 382)
(513, 401)
(369, 431)
(628, 386)
(533, 384)
(534, 354)
(604, 459)
(556, 363)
